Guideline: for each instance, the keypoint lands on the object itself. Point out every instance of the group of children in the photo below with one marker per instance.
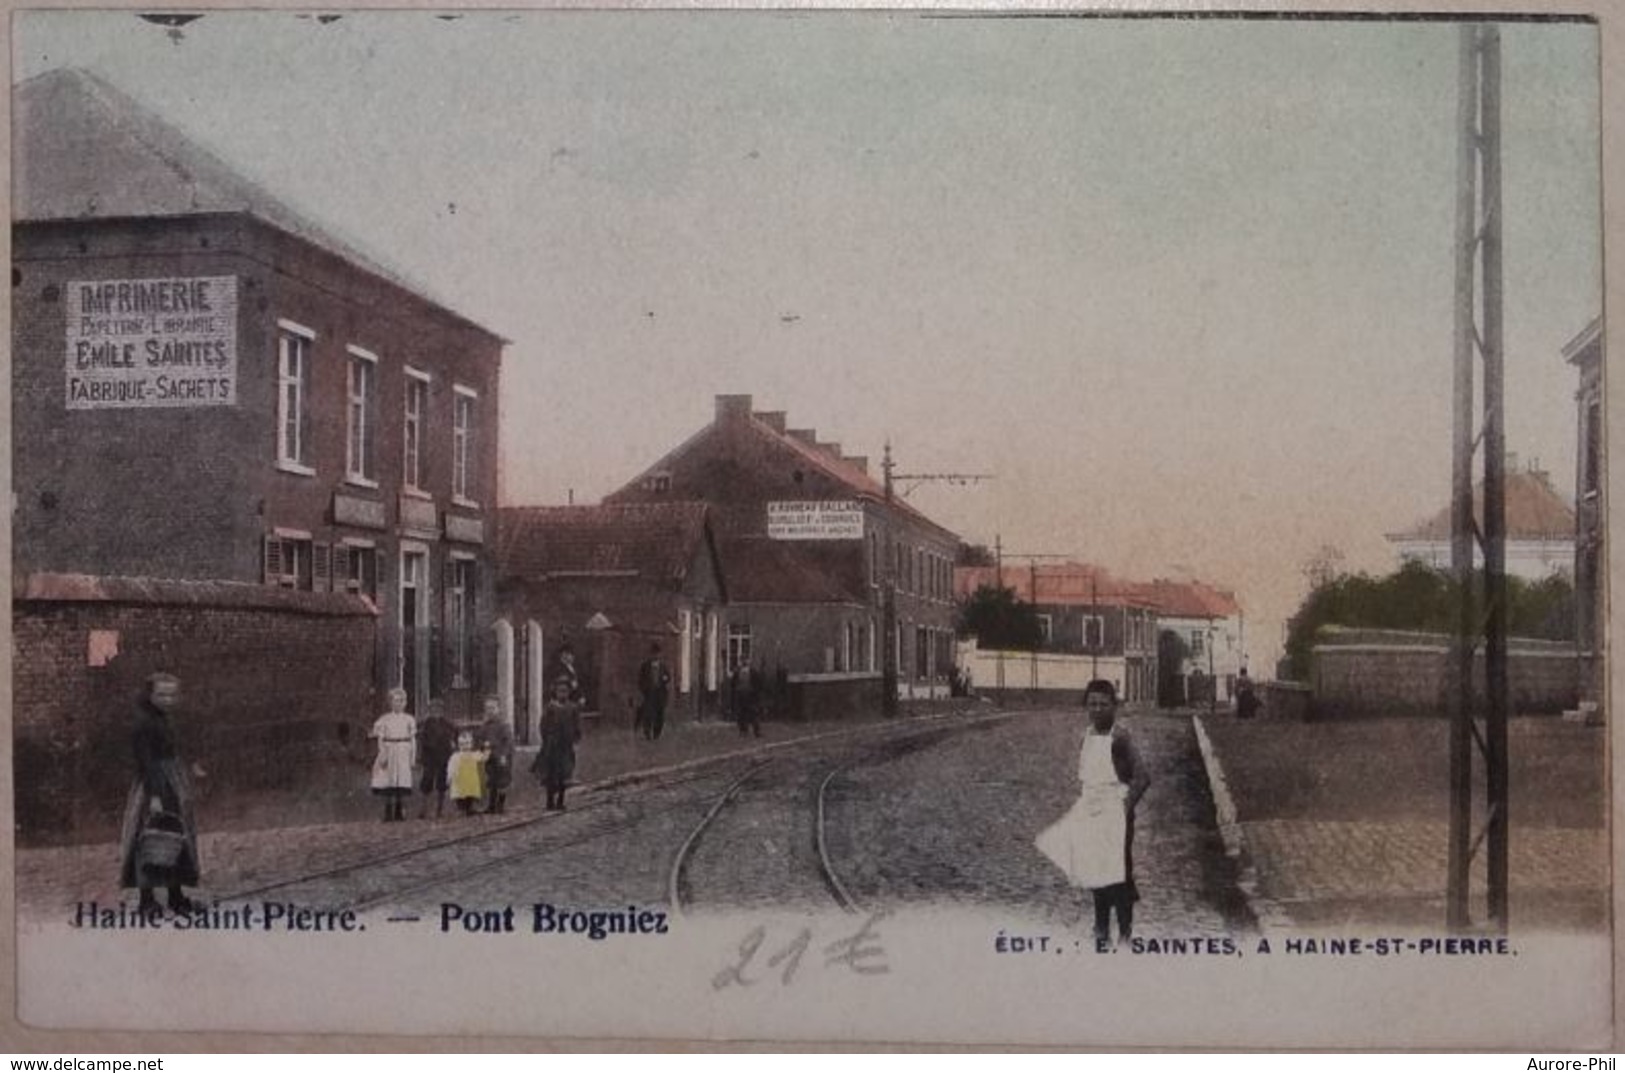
(471, 768)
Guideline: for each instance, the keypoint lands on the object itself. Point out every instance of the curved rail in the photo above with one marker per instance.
(843, 897)
(674, 881)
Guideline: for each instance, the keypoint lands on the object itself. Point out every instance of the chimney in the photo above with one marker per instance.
(732, 406)
(805, 435)
(859, 463)
(831, 449)
(773, 419)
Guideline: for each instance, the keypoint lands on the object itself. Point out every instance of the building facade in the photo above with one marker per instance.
(1092, 626)
(208, 386)
(1584, 352)
(809, 543)
(1539, 529)
(1209, 628)
(609, 582)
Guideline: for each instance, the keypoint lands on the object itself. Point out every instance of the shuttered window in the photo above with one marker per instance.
(290, 563)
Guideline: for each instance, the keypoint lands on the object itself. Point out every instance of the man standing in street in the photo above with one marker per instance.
(653, 680)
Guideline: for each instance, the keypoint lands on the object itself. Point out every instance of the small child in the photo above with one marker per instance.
(463, 773)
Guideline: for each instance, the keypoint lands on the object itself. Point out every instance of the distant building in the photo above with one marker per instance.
(806, 539)
(610, 581)
(1539, 529)
(1210, 628)
(1093, 626)
(1584, 352)
(206, 385)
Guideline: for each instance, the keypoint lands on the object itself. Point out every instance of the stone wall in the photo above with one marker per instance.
(1358, 673)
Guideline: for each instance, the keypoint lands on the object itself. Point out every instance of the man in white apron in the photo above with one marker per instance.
(1093, 842)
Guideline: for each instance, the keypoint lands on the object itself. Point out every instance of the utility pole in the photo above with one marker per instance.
(998, 573)
(888, 597)
(1478, 257)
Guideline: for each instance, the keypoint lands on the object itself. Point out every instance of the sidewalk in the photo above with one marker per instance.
(1345, 826)
(252, 840)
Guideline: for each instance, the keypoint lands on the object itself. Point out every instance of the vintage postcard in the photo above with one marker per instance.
(942, 527)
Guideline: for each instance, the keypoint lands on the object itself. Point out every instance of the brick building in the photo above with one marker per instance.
(806, 538)
(1093, 626)
(1584, 352)
(209, 386)
(610, 581)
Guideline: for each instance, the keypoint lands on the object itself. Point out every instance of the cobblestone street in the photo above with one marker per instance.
(957, 821)
(917, 813)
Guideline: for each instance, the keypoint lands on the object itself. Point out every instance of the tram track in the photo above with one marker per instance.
(381, 879)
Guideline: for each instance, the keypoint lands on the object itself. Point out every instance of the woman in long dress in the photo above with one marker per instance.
(1093, 843)
(396, 732)
(561, 729)
(162, 792)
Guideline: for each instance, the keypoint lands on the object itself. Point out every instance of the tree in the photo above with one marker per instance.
(999, 620)
(1418, 597)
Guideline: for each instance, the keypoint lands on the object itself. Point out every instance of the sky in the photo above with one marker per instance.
(1183, 287)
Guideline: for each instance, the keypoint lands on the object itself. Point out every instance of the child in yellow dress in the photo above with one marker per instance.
(463, 773)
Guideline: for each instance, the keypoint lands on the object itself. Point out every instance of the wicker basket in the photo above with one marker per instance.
(161, 845)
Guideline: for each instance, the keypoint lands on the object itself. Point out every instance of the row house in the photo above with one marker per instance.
(1093, 626)
(1201, 635)
(605, 583)
(208, 385)
(809, 543)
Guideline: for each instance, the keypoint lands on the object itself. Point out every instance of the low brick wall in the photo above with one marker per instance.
(1358, 673)
(826, 696)
(270, 680)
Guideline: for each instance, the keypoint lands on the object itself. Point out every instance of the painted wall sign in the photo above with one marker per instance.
(354, 510)
(151, 343)
(815, 520)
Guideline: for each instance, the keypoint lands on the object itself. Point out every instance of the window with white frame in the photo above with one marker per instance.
(360, 465)
(1591, 449)
(290, 561)
(738, 645)
(293, 391)
(358, 569)
(463, 485)
(461, 599)
(1094, 631)
(1046, 629)
(417, 415)
(1198, 641)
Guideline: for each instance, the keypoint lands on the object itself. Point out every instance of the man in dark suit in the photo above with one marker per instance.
(653, 680)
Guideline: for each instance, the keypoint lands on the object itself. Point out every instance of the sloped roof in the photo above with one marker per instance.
(1073, 584)
(1534, 511)
(761, 570)
(83, 149)
(855, 480)
(1189, 599)
(655, 542)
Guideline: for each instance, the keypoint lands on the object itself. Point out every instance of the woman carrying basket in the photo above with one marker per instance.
(160, 830)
